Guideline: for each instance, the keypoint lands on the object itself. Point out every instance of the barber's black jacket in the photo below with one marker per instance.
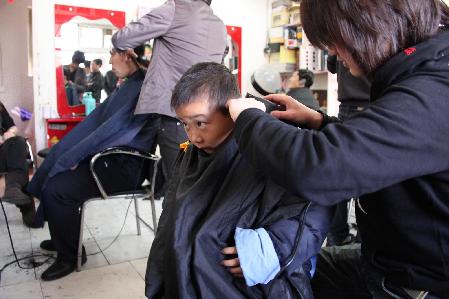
(395, 155)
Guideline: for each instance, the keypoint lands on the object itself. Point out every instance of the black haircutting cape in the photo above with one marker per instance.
(208, 197)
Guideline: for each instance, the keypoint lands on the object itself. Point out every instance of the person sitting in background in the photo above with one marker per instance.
(13, 161)
(218, 207)
(299, 88)
(95, 81)
(64, 181)
(75, 79)
(87, 70)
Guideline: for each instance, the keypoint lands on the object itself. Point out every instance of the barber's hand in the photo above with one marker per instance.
(236, 106)
(295, 111)
(233, 265)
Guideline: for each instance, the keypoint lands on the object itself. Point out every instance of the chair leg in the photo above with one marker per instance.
(153, 213)
(80, 241)
(136, 206)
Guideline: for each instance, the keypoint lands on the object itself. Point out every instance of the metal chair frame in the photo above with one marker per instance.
(144, 193)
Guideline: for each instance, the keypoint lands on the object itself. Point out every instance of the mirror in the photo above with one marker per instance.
(81, 29)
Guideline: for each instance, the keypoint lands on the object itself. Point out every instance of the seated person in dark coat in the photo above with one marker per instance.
(95, 80)
(64, 182)
(13, 161)
(218, 208)
(299, 88)
(75, 79)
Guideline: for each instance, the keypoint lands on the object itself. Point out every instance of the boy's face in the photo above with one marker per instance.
(206, 128)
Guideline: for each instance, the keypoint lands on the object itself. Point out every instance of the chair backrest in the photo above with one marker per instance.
(151, 162)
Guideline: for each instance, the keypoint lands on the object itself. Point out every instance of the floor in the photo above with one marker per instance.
(115, 272)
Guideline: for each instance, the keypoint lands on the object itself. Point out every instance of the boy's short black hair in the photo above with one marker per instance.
(206, 78)
(86, 63)
(98, 62)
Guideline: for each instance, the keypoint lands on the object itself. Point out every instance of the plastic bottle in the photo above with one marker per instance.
(89, 102)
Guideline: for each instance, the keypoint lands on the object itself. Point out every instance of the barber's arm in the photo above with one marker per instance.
(262, 252)
(152, 25)
(295, 111)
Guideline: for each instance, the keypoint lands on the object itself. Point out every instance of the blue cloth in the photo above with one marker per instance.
(258, 259)
(313, 262)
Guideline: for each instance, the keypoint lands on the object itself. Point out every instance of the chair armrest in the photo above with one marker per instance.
(120, 150)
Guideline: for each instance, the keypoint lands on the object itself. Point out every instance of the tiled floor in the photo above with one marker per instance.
(116, 272)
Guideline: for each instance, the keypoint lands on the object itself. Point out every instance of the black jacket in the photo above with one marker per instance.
(304, 96)
(351, 90)
(95, 85)
(6, 121)
(395, 154)
(208, 197)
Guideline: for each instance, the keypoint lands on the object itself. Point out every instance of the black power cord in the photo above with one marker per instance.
(118, 234)
(30, 257)
(142, 165)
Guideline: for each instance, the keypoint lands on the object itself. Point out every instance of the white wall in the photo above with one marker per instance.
(16, 87)
(251, 15)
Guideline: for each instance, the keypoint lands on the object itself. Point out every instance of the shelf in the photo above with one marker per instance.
(293, 25)
(320, 72)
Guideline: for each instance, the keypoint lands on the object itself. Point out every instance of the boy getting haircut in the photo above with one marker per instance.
(218, 207)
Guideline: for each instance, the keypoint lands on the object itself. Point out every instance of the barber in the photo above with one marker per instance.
(394, 155)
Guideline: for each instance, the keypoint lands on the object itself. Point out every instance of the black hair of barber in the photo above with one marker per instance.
(372, 31)
(98, 62)
(209, 79)
(78, 57)
(306, 75)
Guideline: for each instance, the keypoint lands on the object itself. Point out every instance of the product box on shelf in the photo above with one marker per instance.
(276, 35)
(280, 16)
(294, 12)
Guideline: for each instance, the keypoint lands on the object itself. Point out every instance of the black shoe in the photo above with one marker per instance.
(16, 196)
(29, 214)
(60, 268)
(57, 270)
(48, 245)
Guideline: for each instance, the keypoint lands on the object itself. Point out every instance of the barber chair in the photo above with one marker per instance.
(146, 191)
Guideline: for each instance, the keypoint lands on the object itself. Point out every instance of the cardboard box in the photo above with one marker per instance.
(287, 55)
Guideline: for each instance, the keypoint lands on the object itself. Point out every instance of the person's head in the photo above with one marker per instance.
(125, 64)
(199, 100)
(96, 65)
(366, 33)
(301, 78)
(78, 57)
